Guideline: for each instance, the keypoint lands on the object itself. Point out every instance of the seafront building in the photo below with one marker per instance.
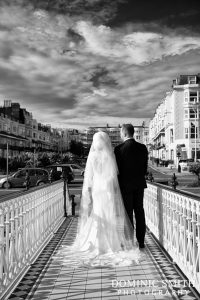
(174, 131)
(20, 133)
(141, 134)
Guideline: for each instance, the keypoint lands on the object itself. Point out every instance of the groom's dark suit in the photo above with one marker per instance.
(132, 159)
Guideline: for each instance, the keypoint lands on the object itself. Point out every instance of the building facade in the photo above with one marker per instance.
(12, 137)
(141, 134)
(174, 130)
(20, 133)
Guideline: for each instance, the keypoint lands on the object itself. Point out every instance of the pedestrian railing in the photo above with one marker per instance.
(27, 223)
(174, 219)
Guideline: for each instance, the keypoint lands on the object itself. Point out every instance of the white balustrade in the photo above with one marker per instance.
(174, 219)
(27, 223)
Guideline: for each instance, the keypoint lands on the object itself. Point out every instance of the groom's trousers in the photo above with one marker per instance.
(133, 201)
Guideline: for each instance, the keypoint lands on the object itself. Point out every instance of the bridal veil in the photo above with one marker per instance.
(104, 233)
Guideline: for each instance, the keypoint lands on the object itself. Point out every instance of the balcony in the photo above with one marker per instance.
(33, 230)
(158, 134)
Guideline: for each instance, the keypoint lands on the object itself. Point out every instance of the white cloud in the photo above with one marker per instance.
(135, 48)
(92, 74)
(100, 92)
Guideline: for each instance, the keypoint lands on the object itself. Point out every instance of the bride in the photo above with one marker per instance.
(104, 234)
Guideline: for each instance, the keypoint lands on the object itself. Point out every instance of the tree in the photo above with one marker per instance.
(195, 169)
(44, 160)
(76, 148)
(65, 159)
(56, 157)
(2, 163)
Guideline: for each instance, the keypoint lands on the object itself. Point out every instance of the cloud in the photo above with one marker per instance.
(136, 48)
(68, 68)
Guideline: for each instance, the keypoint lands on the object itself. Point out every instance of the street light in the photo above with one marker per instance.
(34, 146)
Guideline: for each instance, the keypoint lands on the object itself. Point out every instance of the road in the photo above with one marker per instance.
(74, 188)
(183, 180)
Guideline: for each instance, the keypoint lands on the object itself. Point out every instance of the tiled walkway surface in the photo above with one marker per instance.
(155, 277)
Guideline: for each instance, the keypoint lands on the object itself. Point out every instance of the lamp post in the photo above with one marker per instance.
(64, 177)
(34, 154)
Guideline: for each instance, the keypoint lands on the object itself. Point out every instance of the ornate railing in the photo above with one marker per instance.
(174, 219)
(27, 223)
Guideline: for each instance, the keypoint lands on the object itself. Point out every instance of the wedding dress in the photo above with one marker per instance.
(104, 233)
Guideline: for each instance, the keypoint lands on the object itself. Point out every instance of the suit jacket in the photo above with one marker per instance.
(132, 160)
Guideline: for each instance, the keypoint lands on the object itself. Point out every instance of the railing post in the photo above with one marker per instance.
(150, 177)
(73, 205)
(50, 176)
(27, 181)
(174, 181)
(160, 214)
(64, 177)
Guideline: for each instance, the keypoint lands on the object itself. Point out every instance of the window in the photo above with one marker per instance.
(172, 154)
(193, 128)
(171, 136)
(192, 79)
(186, 133)
(41, 173)
(31, 172)
(74, 167)
(21, 174)
(192, 113)
(186, 113)
(186, 97)
(193, 97)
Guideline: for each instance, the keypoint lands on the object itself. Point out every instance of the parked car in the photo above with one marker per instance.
(56, 171)
(38, 176)
(78, 170)
(185, 164)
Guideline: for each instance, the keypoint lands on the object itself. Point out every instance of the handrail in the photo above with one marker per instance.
(174, 219)
(27, 223)
(24, 191)
(177, 191)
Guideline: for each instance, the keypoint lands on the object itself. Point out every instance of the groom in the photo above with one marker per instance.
(132, 159)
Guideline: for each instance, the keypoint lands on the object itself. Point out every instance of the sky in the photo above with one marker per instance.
(80, 63)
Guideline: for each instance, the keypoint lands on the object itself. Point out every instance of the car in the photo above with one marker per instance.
(78, 170)
(185, 164)
(38, 176)
(56, 171)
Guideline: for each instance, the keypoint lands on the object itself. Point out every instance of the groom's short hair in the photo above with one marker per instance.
(128, 129)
